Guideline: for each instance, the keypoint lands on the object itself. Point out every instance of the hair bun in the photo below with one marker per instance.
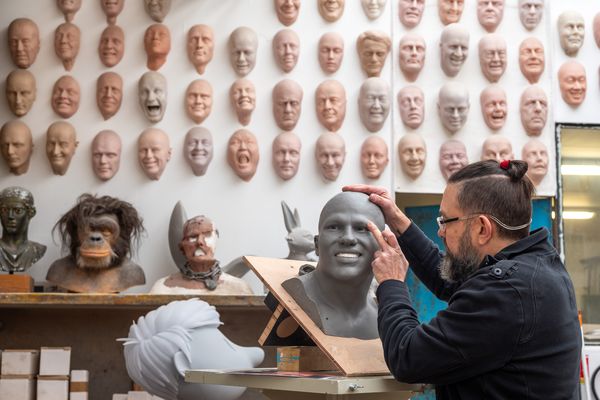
(517, 169)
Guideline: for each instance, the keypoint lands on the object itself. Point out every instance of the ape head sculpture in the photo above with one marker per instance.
(99, 233)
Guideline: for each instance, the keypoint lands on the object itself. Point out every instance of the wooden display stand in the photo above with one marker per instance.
(354, 357)
(16, 284)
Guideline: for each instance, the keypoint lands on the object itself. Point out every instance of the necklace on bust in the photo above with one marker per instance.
(209, 278)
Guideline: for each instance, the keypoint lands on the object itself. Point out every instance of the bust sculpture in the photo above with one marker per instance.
(242, 96)
(373, 8)
(530, 13)
(109, 94)
(286, 49)
(243, 154)
(336, 294)
(61, 143)
(331, 10)
(243, 45)
(200, 46)
(112, 9)
(157, 43)
(16, 146)
(454, 49)
(497, 147)
(571, 31)
(65, 96)
(373, 48)
(453, 156)
(534, 110)
(287, 104)
(411, 102)
(331, 52)
(23, 42)
(453, 106)
(157, 9)
(69, 8)
(490, 13)
(17, 252)
(106, 154)
(410, 12)
(532, 60)
(154, 152)
(412, 152)
(67, 39)
(330, 102)
(286, 155)
(492, 56)
(572, 81)
(198, 149)
(21, 91)
(330, 153)
(112, 45)
(198, 100)
(412, 50)
(287, 11)
(535, 153)
(152, 95)
(494, 107)
(450, 11)
(374, 102)
(373, 157)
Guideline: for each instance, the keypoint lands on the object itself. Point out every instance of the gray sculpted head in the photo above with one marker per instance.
(198, 149)
(530, 13)
(243, 45)
(374, 102)
(157, 9)
(571, 31)
(373, 8)
(454, 49)
(453, 106)
(152, 95)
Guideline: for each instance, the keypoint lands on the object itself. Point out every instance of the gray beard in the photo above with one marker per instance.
(458, 267)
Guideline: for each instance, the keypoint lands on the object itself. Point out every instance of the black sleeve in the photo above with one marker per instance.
(424, 258)
(478, 332)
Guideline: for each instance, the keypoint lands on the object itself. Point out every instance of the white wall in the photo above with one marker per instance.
(248, 215)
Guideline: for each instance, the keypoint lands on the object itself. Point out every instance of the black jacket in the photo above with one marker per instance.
(510, 331)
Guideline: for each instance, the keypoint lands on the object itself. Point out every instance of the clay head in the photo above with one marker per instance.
(535, 153)
(21, 91)
(453, 156)
(109, 94)
(374, 101)
(530, 13)
(198, 100)
(198, 149)
(157, 9)
(373, 157)
(497, 147)
(571, 30)
(492, 56)
(411, 103)
(23, 42)
(242, 154)
(16, 146)
(286, 155)
(411, 55)
(410, 12)
(373, 48)
(286, 49)
(287, 11)
(61, 142)
(331, 10)
(532, 60)
(287, 104)
(157, 43)
(413, 154)
(154, 152)
(373, 8)
(65, 96)
(331, 52)
(330, 102)
(242, 95)
(112, 45)
(494, 107)
(200, 46)
(597, 29)
(112, 8)
(450, 11)
(106, 154)
(534, 110)
(199, 242)
(453, 106)
(68, 8)
(243, 45)
(490, 13)
(573, 83)
(152, 94)
(330, 153)
(454, 49)
(67, 37)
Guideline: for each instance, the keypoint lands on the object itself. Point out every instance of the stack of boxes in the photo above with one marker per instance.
(53, 379)
(17, 374)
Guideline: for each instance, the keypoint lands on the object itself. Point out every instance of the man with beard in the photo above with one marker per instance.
(510, 330)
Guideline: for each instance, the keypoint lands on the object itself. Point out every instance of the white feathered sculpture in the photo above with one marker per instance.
(179, 336)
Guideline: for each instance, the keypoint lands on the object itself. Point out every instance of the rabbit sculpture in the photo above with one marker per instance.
(300, 241)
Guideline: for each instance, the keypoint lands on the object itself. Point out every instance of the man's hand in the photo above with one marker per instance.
(394, 218)
(388, 262)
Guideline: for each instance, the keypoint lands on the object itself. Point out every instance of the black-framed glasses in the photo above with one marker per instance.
(441, 221)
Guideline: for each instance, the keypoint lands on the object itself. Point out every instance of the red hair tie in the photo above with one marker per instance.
(505, 164)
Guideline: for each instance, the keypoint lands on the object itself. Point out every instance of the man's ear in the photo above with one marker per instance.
(485, 230)
(317, 245)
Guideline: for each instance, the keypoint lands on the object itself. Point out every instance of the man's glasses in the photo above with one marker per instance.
(441, 221)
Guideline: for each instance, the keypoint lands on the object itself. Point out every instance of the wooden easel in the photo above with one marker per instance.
(354, 357)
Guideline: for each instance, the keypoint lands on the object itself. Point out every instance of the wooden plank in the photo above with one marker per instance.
(16, 284)
(354, 357)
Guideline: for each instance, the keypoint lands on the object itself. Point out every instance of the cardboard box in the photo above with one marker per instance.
(20, 362)
(80, 396)
(53, 388)
(17, 388)
(119, 396)
(55, 361)
(79, 381)
(303, 359)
